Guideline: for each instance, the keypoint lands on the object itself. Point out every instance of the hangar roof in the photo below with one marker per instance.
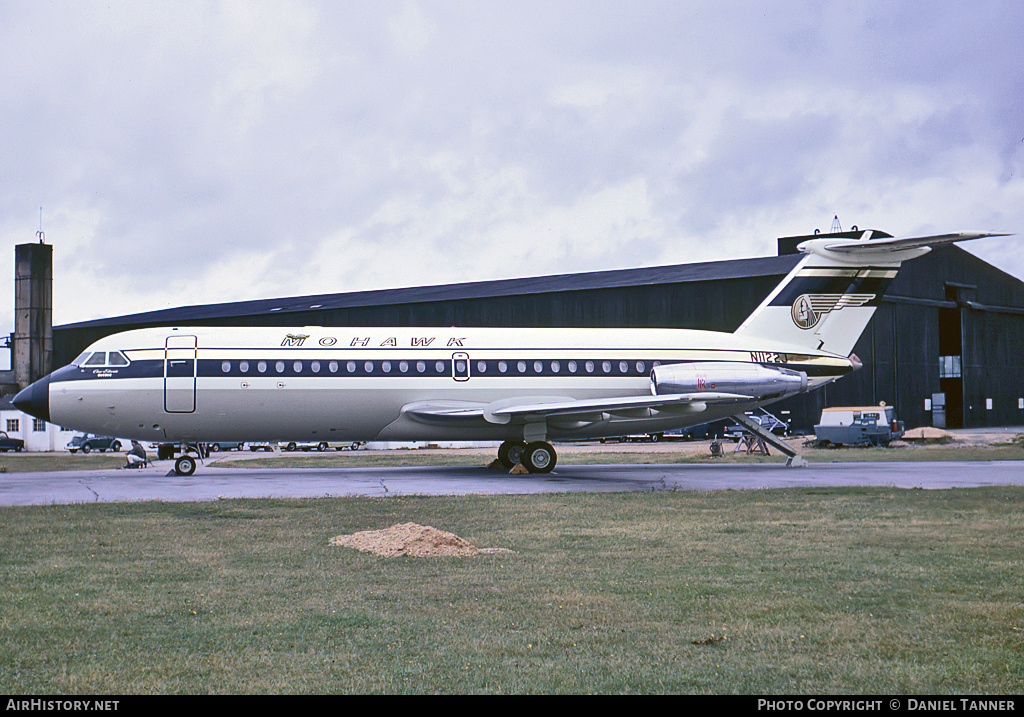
(674, 274)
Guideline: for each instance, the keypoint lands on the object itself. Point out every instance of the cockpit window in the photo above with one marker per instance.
(102, 358)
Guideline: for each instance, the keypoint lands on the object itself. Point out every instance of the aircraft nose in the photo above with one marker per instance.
(35, 400)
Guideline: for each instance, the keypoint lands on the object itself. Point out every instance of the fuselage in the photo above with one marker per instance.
(193, 384)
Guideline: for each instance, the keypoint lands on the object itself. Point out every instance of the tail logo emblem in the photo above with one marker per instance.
(808, 309)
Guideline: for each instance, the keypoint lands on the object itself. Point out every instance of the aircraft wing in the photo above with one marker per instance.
(536, 408)
(894, 244)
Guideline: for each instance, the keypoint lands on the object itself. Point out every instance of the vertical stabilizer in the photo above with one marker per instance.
(827, 300)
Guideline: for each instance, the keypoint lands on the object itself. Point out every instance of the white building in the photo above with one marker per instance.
(38, 435)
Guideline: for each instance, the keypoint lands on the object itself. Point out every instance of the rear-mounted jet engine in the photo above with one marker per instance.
(761, 383)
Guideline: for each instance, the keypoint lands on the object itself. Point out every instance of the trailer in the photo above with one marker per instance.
(858, 426)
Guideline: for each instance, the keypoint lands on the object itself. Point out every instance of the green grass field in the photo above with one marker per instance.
(809, 591)
(1007, 452)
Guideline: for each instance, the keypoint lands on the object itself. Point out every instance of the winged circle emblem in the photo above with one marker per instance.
(808, 309)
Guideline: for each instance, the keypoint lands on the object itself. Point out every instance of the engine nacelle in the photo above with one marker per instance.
(761, 383)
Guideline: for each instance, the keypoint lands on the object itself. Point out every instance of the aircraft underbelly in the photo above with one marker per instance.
(296, 410)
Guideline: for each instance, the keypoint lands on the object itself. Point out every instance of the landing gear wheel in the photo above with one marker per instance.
(539, 457)
(185, 466)
(511, 452)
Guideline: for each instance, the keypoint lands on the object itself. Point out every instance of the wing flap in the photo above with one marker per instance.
(536, 408)
(622, 405)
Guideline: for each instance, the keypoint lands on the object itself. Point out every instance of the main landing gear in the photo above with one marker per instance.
(536, 457)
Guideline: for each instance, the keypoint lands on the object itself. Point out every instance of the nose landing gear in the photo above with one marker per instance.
(185, 465)
(191, 454)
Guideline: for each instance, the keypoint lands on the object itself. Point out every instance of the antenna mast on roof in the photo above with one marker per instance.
(42, 237)
(836, 228)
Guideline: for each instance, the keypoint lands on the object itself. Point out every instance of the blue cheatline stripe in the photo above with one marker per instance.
(408, 368)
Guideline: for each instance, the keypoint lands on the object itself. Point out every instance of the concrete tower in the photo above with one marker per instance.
(32, 345)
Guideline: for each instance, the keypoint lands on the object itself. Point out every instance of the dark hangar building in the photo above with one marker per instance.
(946, 346)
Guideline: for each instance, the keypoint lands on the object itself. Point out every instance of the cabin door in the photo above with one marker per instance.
(460, 366)
(180, 374)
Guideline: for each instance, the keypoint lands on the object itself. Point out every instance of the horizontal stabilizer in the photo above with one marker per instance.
(889, 248)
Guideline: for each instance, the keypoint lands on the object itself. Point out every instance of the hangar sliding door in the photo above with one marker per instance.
(180, 374)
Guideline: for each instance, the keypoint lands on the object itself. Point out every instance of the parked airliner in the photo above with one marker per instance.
(523, 387)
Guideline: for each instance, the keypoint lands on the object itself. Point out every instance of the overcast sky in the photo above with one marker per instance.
(180, 153)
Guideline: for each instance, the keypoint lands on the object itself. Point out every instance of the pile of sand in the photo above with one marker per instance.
(926, 433)
(410, 539)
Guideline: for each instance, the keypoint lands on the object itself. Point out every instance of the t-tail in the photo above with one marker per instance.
(826, 301)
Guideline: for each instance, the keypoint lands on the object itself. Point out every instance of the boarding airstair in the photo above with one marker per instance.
(794, 459)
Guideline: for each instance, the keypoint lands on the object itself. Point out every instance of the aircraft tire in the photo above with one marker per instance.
(511, 452)
(539, 457)
(185, 466)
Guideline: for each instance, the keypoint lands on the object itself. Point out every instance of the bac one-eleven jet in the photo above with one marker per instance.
(524, 387)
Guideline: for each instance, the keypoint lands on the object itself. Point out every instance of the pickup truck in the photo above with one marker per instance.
(10, 444)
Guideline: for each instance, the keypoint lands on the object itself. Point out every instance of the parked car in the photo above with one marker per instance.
(306, 446)
(713, 429)
(10, 444)
(323, 445)
(226, 446)
(87, 442)
(635, 438)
